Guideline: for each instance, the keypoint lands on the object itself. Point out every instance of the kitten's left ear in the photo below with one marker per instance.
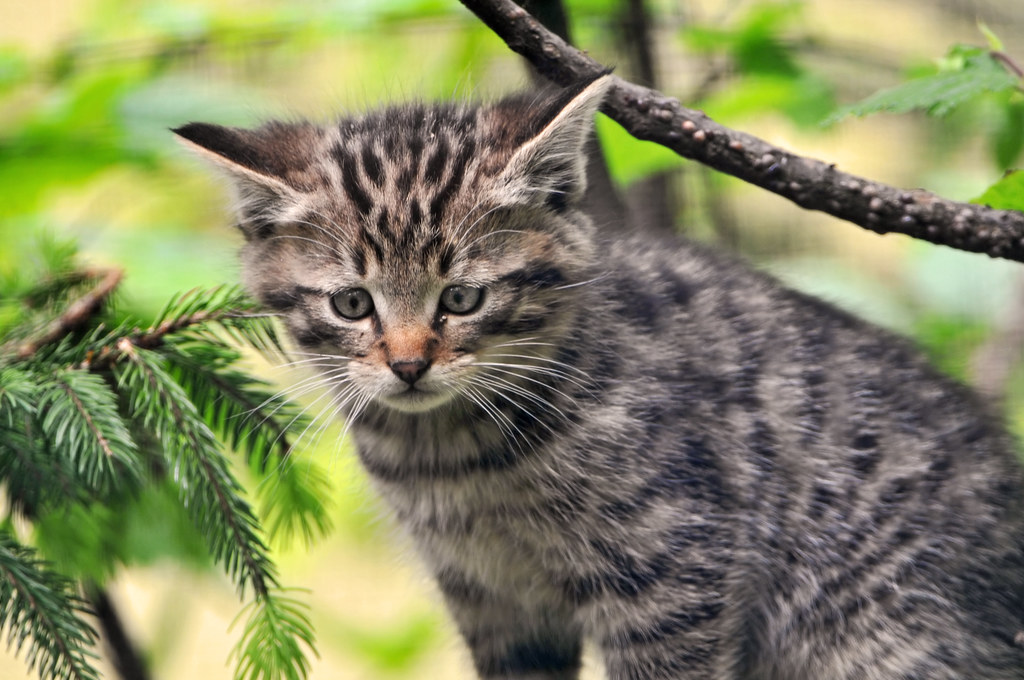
(549, 166)
(269, 167)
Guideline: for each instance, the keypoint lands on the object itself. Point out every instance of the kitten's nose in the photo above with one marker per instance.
(409, 370)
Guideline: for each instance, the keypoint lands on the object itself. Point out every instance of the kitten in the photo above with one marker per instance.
(633, 441)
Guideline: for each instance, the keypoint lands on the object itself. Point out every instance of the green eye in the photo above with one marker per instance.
(352, 303)
(461, 299)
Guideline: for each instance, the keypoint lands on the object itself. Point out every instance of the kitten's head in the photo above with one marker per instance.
(420, 252)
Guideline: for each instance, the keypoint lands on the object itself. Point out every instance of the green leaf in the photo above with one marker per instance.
(950, 341)
(14, 68)
(804, 99)
(994, 42)
(80, 540)
(1008, 140)
(965, 74)
(393, 649)
(1006, 194)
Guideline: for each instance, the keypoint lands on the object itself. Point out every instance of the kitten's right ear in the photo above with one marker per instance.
(266, 166)
(549, 162)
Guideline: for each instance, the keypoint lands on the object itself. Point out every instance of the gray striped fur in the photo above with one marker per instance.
(632, 441)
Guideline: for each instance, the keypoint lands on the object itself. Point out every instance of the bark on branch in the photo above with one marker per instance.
(812, 184)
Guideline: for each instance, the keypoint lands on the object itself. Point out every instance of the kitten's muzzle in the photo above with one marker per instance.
(409, 371)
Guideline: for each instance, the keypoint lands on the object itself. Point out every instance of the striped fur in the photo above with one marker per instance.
(636, 442)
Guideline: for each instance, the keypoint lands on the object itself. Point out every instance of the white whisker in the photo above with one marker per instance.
(600, 277)
(505, 368)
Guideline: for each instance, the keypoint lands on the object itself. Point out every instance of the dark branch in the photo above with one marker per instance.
(127, 660)
(812, 184)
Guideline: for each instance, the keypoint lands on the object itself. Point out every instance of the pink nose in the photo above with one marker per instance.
(409, 370)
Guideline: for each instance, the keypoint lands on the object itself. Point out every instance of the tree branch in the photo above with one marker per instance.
(812, 184)
(126, 658)
(153, 338)
(76, 315)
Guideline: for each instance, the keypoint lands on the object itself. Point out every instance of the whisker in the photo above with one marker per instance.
(461, 231)
(502, 369)
(551, 370)
(459, 236)
(321, 244)
(494, 233)
(600, 277)
(507, 429)
(327, 392)
(325, 360)
(298, 388)
(500, 384)
(335, 233)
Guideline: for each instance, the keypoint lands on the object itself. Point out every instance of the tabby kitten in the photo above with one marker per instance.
(627, 440)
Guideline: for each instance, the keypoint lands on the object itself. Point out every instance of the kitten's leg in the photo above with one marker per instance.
(658, 612)
(667, 624)
(648, 655)
(509, 642)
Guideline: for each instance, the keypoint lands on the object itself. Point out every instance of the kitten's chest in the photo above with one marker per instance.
(507, 527)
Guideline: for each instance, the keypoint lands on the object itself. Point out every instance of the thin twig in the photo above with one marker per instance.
(76, 315)
(812, 184)
(152, 338)
(1007, 61)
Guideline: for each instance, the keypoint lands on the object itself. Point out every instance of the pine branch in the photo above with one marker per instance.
(650, 115)
(80, 416)
(235, 404)
(76, 315)
(38, 607)
(197, 312)
(33, 473)
(88, 401)
(295, 501)
(256, 423)
(209, 491)
(261, 653)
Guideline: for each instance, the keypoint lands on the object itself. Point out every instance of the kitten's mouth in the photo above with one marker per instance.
(414, 400)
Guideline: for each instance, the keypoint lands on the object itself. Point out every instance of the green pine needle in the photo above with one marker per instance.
(42, 616)
(80, 416)
(294, 503)
(208, 489)
(272, 644)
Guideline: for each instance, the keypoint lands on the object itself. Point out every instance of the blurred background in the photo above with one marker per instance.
(89, 88)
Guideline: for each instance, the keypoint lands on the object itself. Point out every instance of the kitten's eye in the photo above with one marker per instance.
(461, 299)
(352, 303)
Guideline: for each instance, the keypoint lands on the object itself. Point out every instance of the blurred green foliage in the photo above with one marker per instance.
(761, 48)
(966, 73)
